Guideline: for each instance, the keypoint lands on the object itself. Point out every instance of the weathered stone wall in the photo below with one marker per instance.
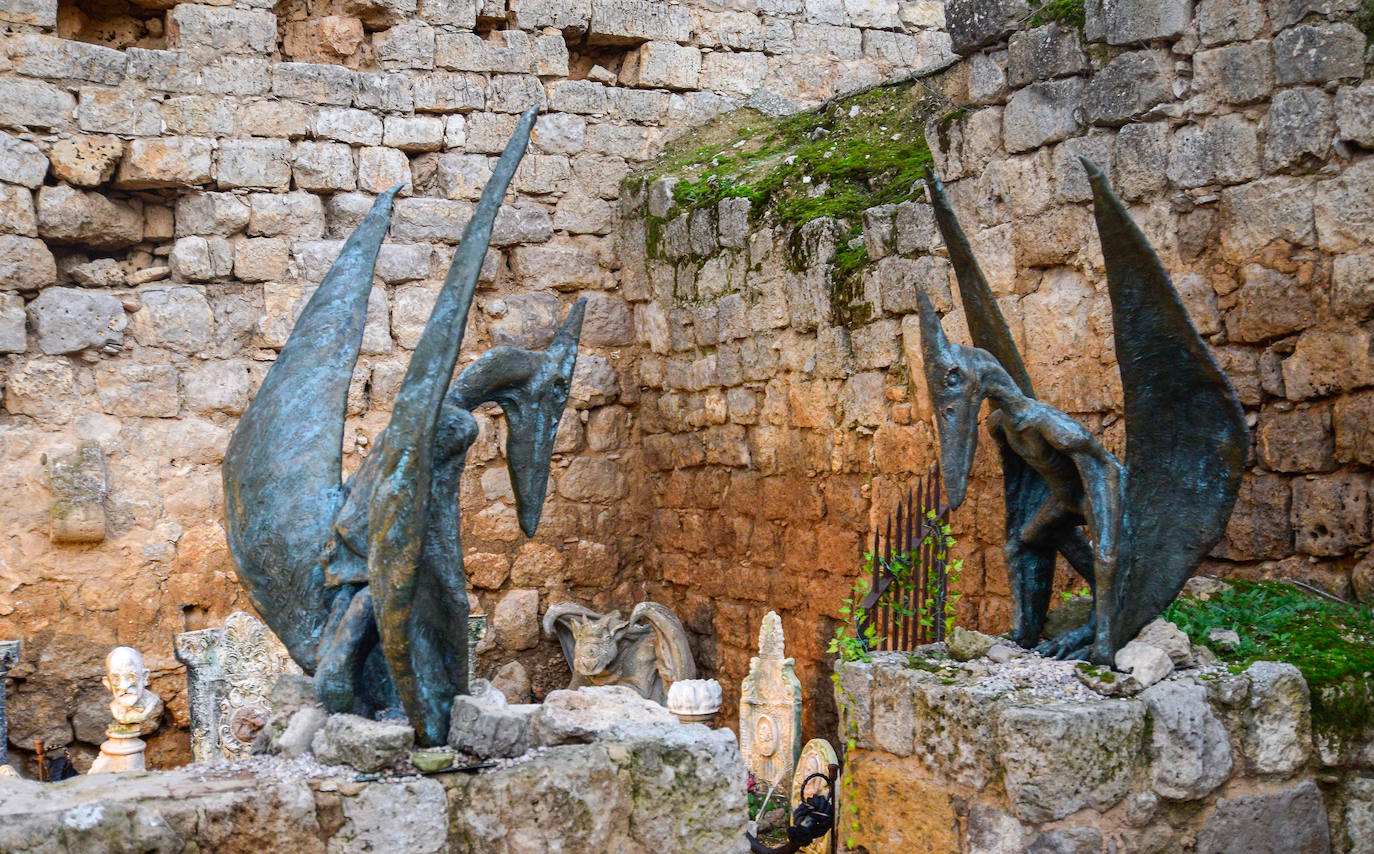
(175, 181)
(640, 789)
(1236, 131)
(998, 759)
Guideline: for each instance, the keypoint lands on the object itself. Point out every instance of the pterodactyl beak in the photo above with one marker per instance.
(954, 395)
(533, 428)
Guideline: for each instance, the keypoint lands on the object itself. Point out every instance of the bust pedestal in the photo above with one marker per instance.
(121, 751)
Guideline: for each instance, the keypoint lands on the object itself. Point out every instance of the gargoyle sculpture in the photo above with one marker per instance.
(647, 652)
(1150, 522)
(363, 581)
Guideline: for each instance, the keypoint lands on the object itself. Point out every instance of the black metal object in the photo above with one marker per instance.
(813, 818)
(913, 540)
(1148, 522)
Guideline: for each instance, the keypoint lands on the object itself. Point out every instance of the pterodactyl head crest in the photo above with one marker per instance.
(952, 379)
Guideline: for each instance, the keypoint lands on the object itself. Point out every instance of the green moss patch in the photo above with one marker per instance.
(833, 162)
(1069, 13)
(1331, 643)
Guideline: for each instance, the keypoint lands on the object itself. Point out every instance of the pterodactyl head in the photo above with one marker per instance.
(532, 389)
(956, 393)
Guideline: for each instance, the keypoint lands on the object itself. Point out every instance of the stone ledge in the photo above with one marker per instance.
(1004, 756)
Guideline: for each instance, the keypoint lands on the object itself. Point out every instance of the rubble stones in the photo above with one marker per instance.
(1146, 663)
(488, 727)
(363, 744)
(594, 713)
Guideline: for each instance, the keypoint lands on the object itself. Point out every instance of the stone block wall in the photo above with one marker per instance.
(1237, 132)
(174, 180)
(997, 759)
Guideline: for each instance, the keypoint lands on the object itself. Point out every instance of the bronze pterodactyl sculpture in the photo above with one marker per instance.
(363, 581)
(1150, 522)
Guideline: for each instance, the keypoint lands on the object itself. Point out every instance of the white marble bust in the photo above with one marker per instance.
(134, 707)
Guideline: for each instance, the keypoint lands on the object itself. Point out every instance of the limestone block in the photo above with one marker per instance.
(1128, 87)
(200, 115)
(330, 38)
(398, 263)
(514, 93)
(1359, 813)
(348, 125)
(1296, 440)
(1190, 750)
(1040, 113)
(202, 259)
(1318, 54)
(1328, 360)
(1278, 730)
(26, 264)
(976, 23)
(175, 317)
(217, 386)
(1343, 207)
(582, 214)
(516, 619)
(382, 91)
(86, 161)
(116, 111)
(183, 161)
(381, 169)
(608, 322)
(662, 64)
(569, 16)
(210, 213)
(560, 133)
(22, 162)
(295, 214)
(1269, 304)
(322, 167)
(1221, 21)
(1301, 124)
(1061, 757)
(1260, 526)
(455, 131)
(1330, 513)
(1353, 420)
(488, 727)
(409, 44)
(578, 96)
(1224, 150)
(16, 211)
(1237, 74)
(418, 133)
(363, 744)
(1044, 53)
(1355, 113)
(222, 29)
(138, 390)
(67, 215)
(521, 223)
(43, 388)
(69, 320)
(1132, 21)
(595, 713)
(255, 163)
(276, 118)
(1248, 823)
(1145, 662)
(314, 82)
(442, 92)
(13, 323)
(430, 219)
(738, 73)
(630, 22)
(591, 479)
(987, 77)
(508, 52)
(36, 55)
(41, 13)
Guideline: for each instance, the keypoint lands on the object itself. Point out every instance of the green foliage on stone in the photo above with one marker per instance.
(1070, 13)
(833, 162)
(1364, 19)
(1331, 643)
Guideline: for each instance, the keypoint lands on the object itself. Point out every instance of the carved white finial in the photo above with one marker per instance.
(770, 637)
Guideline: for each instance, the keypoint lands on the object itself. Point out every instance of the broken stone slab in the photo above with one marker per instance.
(78, 480)
(1190, 750)
(1278, 733)
(1165, 635)
(1060, 757)
(1146, 663)
(366, 745)
(1107, 682)
(489, 728)
(593, 714)
(1250, 823)
(966, 645)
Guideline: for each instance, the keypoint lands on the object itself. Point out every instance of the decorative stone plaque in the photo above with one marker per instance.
(816, 758)
(9, 656)
(770, 709)
(229, 676)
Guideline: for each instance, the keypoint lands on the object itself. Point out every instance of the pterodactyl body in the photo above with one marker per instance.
(1148, 522)
(363, 581)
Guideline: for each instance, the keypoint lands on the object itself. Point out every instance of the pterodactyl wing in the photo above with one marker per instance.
(421, 609)
(1185, 429)
(282, 469)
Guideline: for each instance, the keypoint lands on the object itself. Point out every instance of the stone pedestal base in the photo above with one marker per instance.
(120, 753)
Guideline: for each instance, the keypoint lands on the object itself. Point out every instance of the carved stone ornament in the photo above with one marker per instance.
(770, 709)
(647, 652)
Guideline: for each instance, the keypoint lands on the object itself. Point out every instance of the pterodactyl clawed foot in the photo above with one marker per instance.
(1071, 645)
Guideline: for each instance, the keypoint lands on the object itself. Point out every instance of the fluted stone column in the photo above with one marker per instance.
(9, 656)
(205, 687)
